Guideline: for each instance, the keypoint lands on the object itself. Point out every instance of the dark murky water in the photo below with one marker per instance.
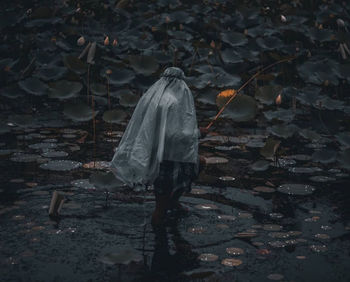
(272, 203)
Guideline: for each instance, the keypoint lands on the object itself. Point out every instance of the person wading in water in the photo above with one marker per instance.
(160, 143)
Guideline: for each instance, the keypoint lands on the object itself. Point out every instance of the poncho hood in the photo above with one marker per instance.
(163, 127)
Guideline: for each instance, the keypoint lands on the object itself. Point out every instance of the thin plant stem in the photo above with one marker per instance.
(243, 86)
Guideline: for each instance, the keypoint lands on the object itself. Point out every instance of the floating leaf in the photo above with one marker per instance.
(216, 160)
(61, 165)
(208, 257)
(105, 180)
(296, 189)
(65, 89)
(206, 207)
(344, 159)
(270, 148)
(75, 64)
(114, 116)
(241, 108)
(234, 38)
(267, 94)
(231, 262)
(34, 86)
(324, 156)
(79, 111)
(260, 165)
(128, 99)
(122, 256)
(235, 251)
(142, 64)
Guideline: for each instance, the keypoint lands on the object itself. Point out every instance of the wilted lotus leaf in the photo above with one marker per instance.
(270, 148)
(343, 138)
(318, 72)
(324, 156)
(241, 108)
(270, 43)
(122, 256)
(344, 159)
(64, 89)
(61, 165)
(231, 262)
(13, 91)
(282, 130)
(286, 115)
(128, 99)
(296, 189)
(114, 116)
(321, 35)
(267, 94)
(98, 89)
(75, 64)
(34, 86)
(51, 73)
(78, 111)
(310, 134)
(145, 65)
(260, 165)
(234, 38)
(208, 257)
(105, 180)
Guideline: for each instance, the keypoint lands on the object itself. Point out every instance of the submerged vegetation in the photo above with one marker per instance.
(273, 196)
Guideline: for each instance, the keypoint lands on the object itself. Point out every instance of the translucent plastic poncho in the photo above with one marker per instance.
(162, 127)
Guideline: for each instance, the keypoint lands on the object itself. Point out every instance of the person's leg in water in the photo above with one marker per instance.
(162, 204)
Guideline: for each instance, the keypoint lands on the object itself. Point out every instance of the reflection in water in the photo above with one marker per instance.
(164, 264)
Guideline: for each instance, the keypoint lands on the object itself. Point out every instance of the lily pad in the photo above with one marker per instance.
(324, 156)
(122, 256)
(128, 99)
(98, 89)
(234, 38)
(51, 73)
(61, 165)
(114, 116)
(241, 108)
(270, 148)
(231, 262)
(119, 76)
(34, 86)
(105, 180)
(267, 94)
(208, 257)
(296, 189)
(344, 159)
(283, 130)
(145, 65)
(79, 111)
(64, 89)
(260, 165)
(235, 251)
(75, 64)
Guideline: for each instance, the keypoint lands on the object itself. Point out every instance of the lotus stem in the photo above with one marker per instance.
(94, 127)
(244, 85)
(109, 97)
(88, 83)
(194, 56)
